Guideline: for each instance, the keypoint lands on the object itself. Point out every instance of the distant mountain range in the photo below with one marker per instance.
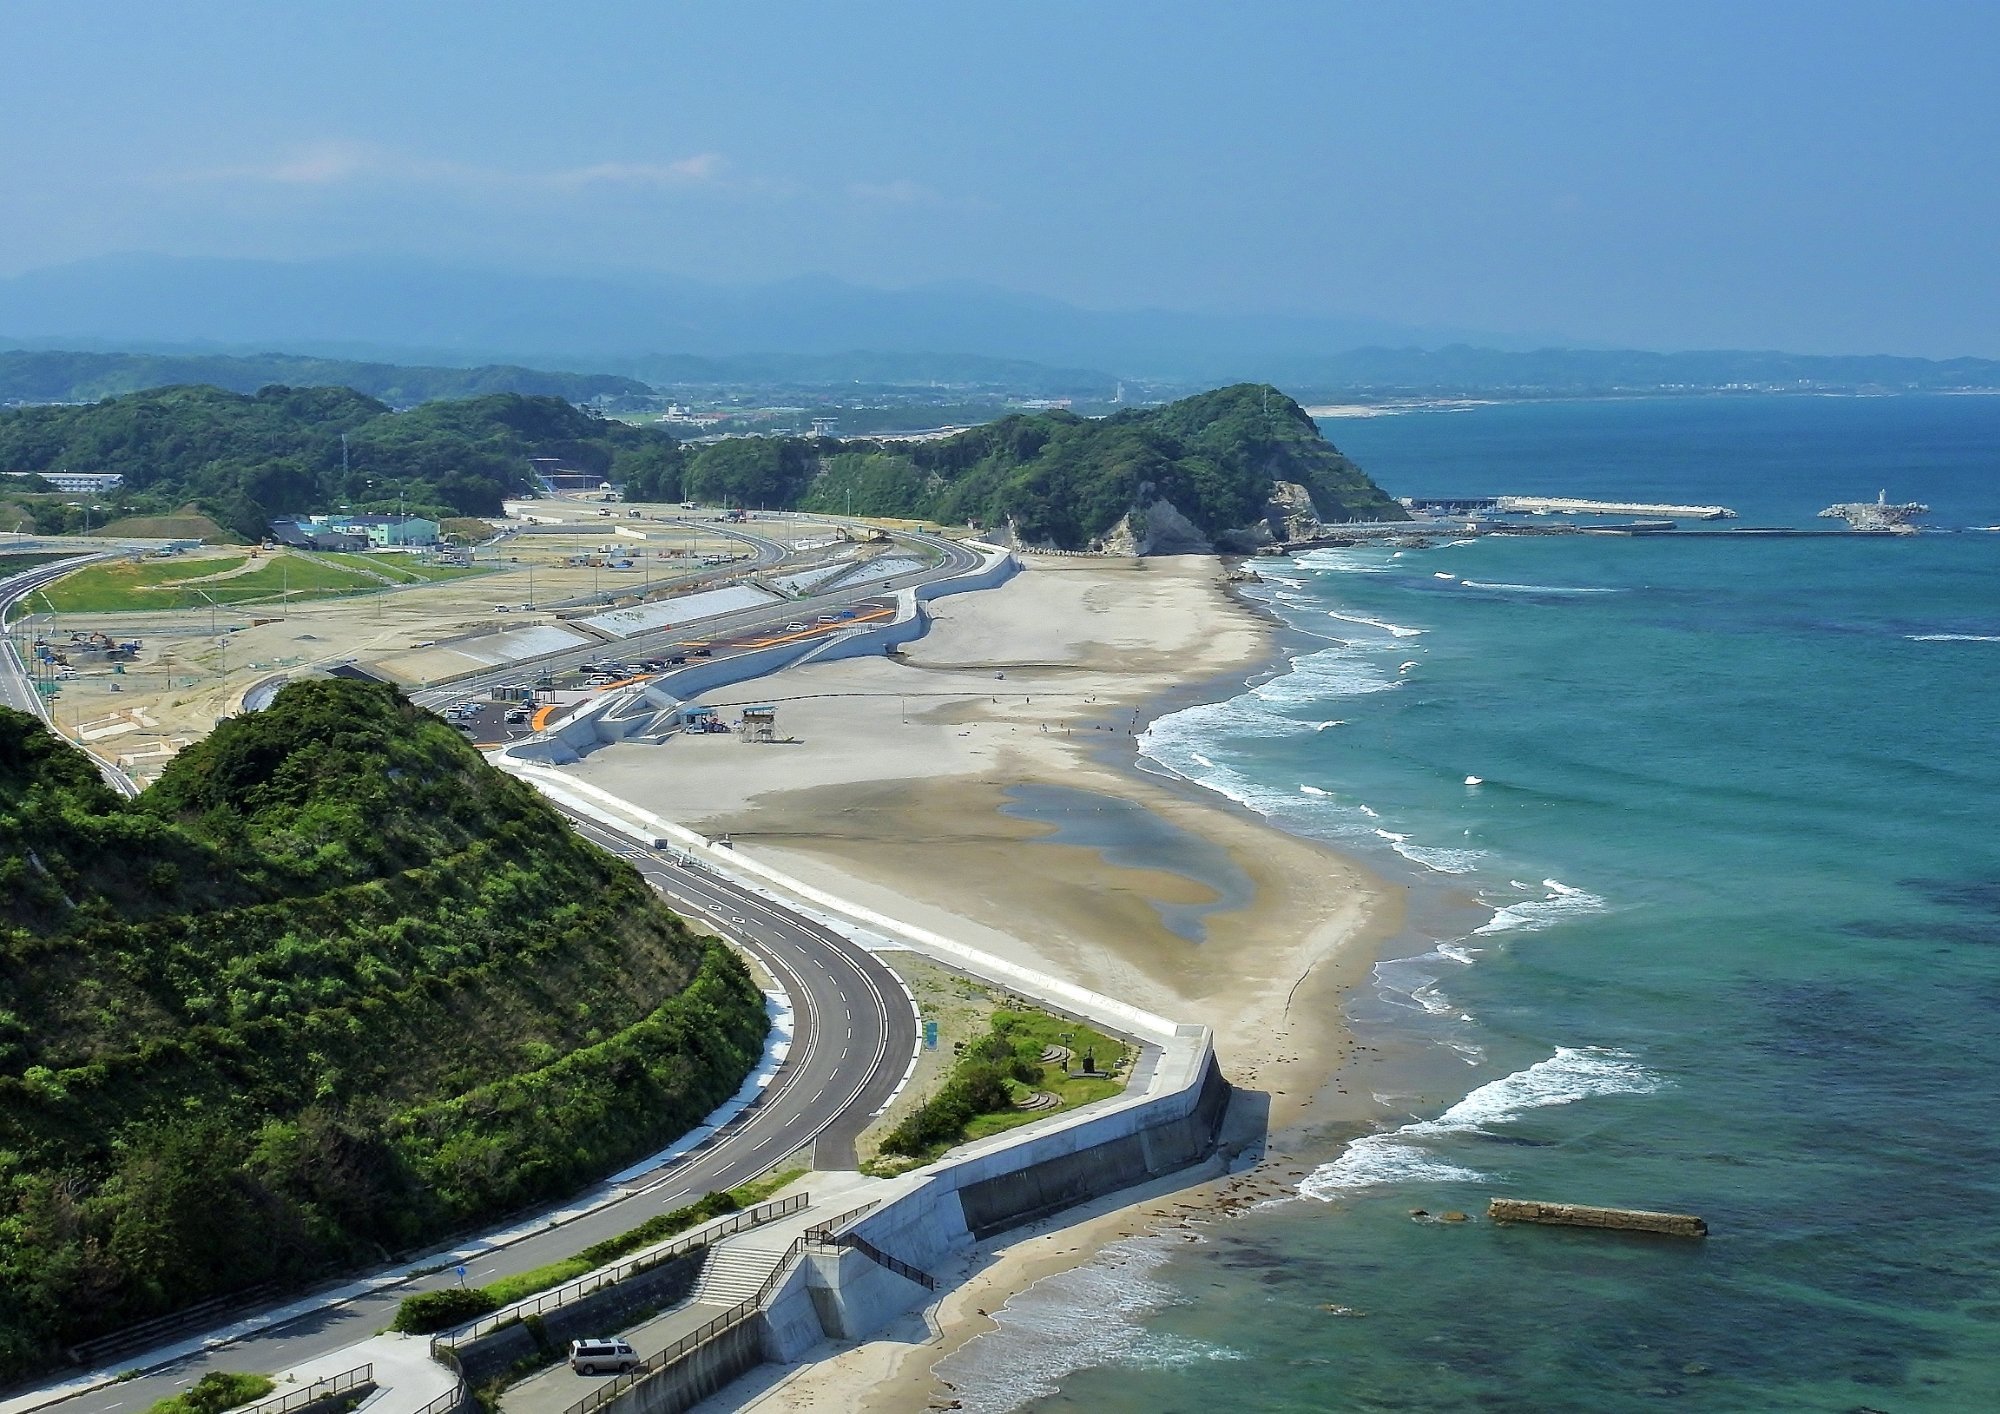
(410, 311)
(816, 332)
(61, 376)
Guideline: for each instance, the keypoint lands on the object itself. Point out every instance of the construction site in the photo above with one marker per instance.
(141, 656)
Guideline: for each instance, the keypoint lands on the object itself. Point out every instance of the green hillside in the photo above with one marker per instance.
(332, 986)
(246, 458)
(1056, 478)
(1059, 479)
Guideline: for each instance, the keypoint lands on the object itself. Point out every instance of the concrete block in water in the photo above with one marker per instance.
(1520, 1210)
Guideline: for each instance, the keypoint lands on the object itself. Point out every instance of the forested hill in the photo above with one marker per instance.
(64, 376)
(1232, 468)
(245, 458)
(1053, 478)
(330, 987)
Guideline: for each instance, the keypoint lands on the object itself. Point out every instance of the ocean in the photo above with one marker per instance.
(1706, 917)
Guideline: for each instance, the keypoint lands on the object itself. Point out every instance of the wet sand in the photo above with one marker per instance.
(892, 791)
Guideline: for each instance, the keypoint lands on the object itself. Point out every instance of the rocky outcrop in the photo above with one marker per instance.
(1155, 529)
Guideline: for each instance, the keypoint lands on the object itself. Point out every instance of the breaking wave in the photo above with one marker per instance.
(1416, 1153)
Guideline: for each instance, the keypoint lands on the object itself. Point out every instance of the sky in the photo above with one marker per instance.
(1810, 177)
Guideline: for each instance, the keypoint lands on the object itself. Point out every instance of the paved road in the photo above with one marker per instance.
(17, 686)
(854, 1033)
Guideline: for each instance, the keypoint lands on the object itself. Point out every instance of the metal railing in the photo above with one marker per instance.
(883, 1259)
(455, 1396)
(823, 1232)
(828, 1234)
(609, 1276)
(318, 1389)
(654, 1364)
(817, 1234)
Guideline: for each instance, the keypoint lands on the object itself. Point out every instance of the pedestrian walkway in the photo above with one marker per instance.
(405, 1375)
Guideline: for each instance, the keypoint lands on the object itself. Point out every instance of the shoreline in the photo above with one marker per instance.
(916, 752)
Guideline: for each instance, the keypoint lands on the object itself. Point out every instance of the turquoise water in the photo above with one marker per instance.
(1736, 950)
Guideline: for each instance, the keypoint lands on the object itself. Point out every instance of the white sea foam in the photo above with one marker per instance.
(1412, 1154)
(1322, 726)
(1201, 760)
(1440, 574)
(1311, 790)
(1441, 858)
(1541, 588)
(1561, 901)
(1399, 630)
(1339, 671)
(1953, 637)
(1083, 1318)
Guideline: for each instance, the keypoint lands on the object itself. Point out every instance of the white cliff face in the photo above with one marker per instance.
(1157, 529)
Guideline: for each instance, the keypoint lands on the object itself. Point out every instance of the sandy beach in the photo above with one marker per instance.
(891, 790)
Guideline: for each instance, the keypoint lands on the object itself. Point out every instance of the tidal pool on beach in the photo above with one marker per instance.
(1130, 836)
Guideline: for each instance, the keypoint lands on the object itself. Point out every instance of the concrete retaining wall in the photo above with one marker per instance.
(609, 1308)
(700, 1373)
(1003, 1182)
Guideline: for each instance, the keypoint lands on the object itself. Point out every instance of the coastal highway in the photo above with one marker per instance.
(854, 1032)
(17, 685)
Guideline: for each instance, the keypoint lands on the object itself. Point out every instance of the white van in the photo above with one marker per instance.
(595, 1356)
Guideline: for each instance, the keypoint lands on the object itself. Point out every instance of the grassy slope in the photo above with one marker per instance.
(330, 987)
(291, 577)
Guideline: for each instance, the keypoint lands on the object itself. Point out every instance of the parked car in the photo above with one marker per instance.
(594, 1357)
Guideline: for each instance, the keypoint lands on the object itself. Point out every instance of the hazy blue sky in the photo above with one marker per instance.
(1817, 177)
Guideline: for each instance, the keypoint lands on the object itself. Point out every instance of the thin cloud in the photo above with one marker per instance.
(702, 167)
(334, 164)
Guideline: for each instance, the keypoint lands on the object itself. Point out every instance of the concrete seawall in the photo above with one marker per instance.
(703, 1371)
(931, 1218)
(618, 717)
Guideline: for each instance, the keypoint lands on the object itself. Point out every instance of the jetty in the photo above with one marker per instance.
(1574, 506)
(1522, 1210)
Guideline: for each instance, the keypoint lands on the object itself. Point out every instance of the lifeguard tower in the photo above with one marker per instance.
(760, 724)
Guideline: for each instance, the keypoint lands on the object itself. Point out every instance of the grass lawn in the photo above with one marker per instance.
(130, 584)
(400, 568)
(1108, 1053)
(1023, 1035)
(284, 578)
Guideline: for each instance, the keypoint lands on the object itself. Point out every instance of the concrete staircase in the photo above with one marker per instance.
(736, 1271)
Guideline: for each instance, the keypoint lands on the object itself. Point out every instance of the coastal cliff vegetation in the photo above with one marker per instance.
(1219, 460)
(246, 458)
(330, 988)
(1231, 468)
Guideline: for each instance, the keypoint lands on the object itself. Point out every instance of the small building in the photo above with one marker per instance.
(377, 532)
(305, 535)
(93, 483)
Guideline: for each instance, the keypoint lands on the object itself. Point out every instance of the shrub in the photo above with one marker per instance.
(430, 1311)
(214, 1392)
(658, 1229)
